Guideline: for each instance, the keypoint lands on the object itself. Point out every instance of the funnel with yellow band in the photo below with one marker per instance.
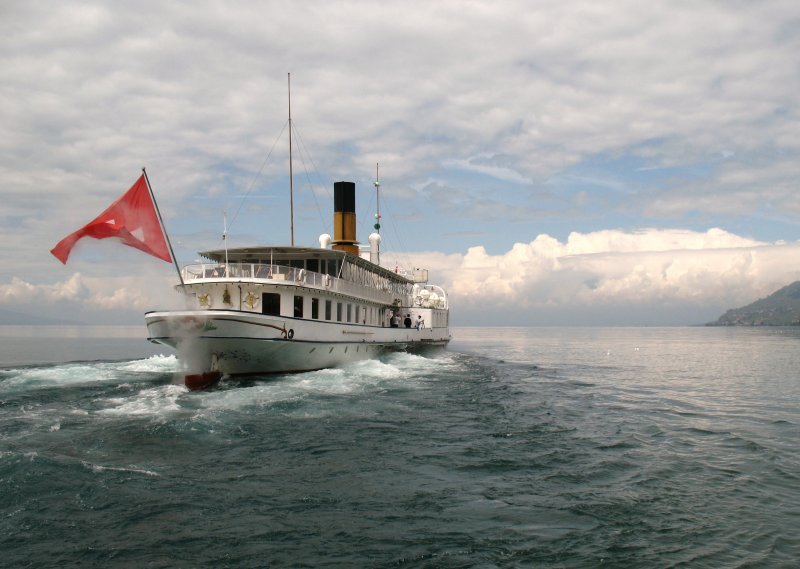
(344, 217)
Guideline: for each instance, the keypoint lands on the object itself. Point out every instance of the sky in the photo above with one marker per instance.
(550, 162)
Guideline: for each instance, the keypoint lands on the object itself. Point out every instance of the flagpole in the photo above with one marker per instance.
(163, 229)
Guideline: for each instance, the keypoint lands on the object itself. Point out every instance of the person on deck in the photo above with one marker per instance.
(420, 322)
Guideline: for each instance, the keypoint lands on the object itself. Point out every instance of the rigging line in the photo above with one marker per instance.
(369, 221)
(255, 178)
(402, 253)
(310, 159)
(304, 152)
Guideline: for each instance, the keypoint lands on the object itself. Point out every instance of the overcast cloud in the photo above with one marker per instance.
(552, 162)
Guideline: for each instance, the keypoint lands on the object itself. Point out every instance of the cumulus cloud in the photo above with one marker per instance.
(636, 272)
(20, 291)
(128, 293)
(123, 298)
(652, 240)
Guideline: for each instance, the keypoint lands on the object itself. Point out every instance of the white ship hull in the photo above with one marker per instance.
(241, 343)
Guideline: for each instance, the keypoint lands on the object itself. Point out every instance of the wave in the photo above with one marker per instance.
(80, 373)
(161, 401)
(101, 468)
(127, 389)
(395, 371)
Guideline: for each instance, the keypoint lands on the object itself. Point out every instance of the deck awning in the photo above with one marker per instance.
(267, 255)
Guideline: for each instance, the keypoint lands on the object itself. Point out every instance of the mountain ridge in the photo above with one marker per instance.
(11, 318)
(781, 308)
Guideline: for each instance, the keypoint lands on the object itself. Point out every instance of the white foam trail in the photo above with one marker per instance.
(163, 402)
(63, 375)
(412, 366)
(160, 402)
(359, 377)
(153, 364)
(240, 398)
(67, 375)
(99, 468)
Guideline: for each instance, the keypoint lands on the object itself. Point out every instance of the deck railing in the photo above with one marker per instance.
(273, 274)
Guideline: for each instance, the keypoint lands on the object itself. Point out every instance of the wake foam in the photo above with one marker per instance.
(160, 401)
(396, 370)
(61, 375)
(98, 468)
(131, 393)
(78, 373)
(153, 364)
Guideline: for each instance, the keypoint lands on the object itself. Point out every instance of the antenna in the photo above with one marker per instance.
(377, 184)
(375, 238)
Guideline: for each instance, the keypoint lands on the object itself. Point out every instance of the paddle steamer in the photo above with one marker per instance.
(264, 310)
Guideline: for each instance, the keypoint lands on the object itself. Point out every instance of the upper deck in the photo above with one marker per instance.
(325, 261)
(323, 269)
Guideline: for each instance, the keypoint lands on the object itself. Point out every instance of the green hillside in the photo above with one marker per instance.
(781, 308)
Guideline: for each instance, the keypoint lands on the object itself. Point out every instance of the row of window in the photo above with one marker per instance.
(344, 311)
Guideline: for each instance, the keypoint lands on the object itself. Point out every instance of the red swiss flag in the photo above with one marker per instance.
(132, 219)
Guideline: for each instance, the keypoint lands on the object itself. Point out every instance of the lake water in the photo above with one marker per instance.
(518, 447)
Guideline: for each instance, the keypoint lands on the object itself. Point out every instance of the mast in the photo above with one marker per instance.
(291, 189)
(163, 229)
(225, 238)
